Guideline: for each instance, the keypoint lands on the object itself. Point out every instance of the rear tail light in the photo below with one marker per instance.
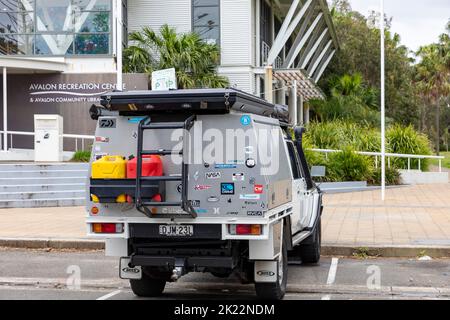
(245, 229)
(107, 227)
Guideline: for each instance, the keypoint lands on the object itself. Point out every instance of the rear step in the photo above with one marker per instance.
(142, 206)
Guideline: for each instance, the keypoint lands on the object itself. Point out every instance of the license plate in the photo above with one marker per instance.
(176, 230)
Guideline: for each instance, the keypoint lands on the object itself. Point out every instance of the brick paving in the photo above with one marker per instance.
(412, 215)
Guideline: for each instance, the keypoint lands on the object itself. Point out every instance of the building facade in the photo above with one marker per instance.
(295, 35)
(58, 56)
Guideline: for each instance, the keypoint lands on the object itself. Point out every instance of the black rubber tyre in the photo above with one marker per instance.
(147, 286)
(309, 251)
(277, 290)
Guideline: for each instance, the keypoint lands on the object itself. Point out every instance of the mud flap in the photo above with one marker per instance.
(266, 271)
(127, 272)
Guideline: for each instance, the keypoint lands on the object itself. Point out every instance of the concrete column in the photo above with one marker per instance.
(293, 104)
(268, 84)
(300, 111)
(306, 117)
(5, 111)
(281, 94)
(119, 84)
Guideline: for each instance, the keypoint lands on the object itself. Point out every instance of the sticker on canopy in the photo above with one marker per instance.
(135, 119)
(227, 188)
(201, 187)
(249, 196)
(225, 166)
(245, 120)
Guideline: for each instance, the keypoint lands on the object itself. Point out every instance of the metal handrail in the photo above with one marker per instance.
(65, 135)
(389, 155)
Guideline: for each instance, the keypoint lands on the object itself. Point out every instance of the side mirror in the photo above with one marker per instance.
(318, 171)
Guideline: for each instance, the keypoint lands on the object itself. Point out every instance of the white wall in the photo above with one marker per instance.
(241, 78)
(90, 65)
(154, 14)
(236, 32)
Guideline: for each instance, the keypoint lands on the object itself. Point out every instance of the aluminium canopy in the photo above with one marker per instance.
(192, 101)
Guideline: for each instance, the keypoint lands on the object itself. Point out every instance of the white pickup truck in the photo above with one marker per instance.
(235, 196)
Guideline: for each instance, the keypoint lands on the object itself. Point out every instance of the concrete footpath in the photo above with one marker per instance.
(414, 220)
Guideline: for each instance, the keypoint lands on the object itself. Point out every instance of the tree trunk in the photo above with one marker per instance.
(438, 133)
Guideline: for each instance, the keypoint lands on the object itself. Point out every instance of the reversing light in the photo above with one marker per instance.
(245, 229)
(107, 227)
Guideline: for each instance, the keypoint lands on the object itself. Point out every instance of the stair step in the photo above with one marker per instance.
(43, 166)
(41, 180)
(42, 187)
(35, 195)
(43, 173)
(56, 202)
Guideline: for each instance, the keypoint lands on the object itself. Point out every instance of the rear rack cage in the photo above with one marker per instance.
(141, 205)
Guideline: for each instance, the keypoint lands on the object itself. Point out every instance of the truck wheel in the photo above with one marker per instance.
(276, 290)
(310, 249)
(147, 286)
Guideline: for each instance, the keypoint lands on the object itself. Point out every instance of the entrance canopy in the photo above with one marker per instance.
(304, 44)
(305, 86)
(18, 65)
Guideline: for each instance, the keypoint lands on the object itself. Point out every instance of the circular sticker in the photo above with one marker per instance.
(250, 163)
(246, 120)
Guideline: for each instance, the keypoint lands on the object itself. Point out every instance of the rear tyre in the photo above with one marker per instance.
(309, 251)
(276, 290)
(147, 286)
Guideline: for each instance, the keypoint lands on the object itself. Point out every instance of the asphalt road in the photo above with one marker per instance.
(38, 274)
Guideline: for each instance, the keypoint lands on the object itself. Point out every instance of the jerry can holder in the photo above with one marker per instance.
(107, 190)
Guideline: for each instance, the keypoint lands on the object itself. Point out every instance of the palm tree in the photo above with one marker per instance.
(434, 75)
(194, 60)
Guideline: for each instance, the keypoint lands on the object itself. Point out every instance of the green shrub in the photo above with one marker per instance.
(406, 140)
(392, 176)
(312, 158)
(81, 156)
(348, 166)
(338, 134)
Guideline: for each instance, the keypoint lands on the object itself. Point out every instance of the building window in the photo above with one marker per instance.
(55, 27)
(206, 19)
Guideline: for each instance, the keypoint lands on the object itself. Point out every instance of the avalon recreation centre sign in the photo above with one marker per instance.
(68, 94)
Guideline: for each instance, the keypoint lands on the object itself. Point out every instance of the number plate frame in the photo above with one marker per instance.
(175, 230)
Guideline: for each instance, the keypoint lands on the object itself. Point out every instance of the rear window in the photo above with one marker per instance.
(293, 160)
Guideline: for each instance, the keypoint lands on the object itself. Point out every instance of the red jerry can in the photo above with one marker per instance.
(152, 166)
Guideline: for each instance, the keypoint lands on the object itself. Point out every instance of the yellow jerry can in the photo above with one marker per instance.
(109, 167)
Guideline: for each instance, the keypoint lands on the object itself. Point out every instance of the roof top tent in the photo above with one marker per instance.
(191, 101)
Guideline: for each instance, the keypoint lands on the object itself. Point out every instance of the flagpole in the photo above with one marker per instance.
(383, 97)
(119, 40)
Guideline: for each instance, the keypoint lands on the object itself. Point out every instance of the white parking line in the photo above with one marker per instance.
(109, 295)
(331, 276)
(332, 271)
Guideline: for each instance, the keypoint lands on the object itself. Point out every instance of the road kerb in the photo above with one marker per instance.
(360, 251)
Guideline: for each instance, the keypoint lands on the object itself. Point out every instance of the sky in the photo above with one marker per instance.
(419, 22)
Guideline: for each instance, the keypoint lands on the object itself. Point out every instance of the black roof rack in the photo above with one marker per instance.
(193, 101)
